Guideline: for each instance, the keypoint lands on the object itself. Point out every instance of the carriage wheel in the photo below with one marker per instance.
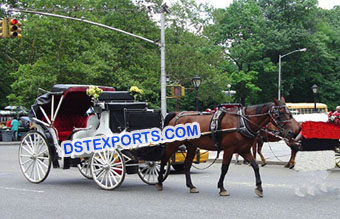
(85, 168)
(34, 157)
(337, 158)
(148, 171)
(108, 169)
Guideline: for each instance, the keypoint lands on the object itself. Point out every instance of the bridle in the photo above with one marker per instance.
(276, 113)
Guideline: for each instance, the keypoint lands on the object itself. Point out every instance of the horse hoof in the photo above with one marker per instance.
(224, 193)
(264, 164)
(292, 166)
(259, 193)
(194, 190)
(159, 187)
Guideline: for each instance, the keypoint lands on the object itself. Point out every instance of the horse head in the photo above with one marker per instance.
(282, 118)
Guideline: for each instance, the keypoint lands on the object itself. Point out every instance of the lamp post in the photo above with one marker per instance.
(229, 86)
(315, 91)
(196, 81)
(280, 57)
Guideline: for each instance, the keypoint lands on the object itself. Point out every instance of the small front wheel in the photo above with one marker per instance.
(34, 157)
(108, 169)
(148, 171)
(85, 168)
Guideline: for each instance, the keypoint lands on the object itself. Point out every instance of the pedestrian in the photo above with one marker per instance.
(8, 123)
(237, 162)
(334, 116)
(15, 128)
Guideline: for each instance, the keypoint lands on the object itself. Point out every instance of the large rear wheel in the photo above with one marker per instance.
(34, 157)
(108, 169)
(148, 171)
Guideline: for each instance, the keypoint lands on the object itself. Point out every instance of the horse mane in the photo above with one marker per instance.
(169, 117)
(259, 107)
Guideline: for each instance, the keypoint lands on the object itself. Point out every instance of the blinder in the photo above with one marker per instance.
(279, 118)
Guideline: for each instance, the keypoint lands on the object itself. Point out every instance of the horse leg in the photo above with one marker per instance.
(225, 166)
(170, 149)
(260, 144)
(255, 166)
(254, 147)
(191, 151)
(291, 162)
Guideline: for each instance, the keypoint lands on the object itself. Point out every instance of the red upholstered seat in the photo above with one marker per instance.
(66, 123)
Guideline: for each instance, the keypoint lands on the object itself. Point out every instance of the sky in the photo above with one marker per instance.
(326, 4)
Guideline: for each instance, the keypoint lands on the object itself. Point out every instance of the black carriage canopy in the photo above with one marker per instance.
(75, 100)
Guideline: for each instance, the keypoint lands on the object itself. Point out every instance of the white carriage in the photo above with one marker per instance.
(67, 113)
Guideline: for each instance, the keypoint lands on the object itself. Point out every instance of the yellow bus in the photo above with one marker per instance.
(306, 108)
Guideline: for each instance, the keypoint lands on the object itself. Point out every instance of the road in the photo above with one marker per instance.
(67, 194)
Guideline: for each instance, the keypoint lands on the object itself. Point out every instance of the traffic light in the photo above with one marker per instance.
(3, 28)
(14, 28)
(177, 91)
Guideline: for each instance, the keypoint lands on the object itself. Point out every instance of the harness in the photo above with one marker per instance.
(216, 131)
(215, 127)
(243, 126)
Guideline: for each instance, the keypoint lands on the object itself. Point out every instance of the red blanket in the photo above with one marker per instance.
(320, 130)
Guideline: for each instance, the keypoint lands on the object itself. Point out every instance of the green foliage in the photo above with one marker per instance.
(239, 45)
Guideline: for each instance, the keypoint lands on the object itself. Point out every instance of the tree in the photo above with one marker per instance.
(238, 29)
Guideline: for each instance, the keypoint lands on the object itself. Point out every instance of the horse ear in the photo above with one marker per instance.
(276, 102)
(282, 100)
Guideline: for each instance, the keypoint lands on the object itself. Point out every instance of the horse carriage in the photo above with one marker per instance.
(321, 136)
(108, 136)
(66, 113)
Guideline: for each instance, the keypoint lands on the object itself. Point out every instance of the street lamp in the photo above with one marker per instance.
(196, 81)
(229, 86)
(280, 57)
(315, 91)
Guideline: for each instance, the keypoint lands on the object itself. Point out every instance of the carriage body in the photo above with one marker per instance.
(67, 113)
(321, 136)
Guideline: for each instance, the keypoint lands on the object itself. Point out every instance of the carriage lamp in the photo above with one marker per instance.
(315, 91)
(196, 81)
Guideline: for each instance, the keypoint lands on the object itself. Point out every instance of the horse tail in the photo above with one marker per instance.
(169, 117)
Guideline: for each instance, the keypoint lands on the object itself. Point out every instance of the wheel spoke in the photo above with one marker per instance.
(42, 167)
(114, 160)
(114, 176)
(101, 156)
(40, 153)
(29, 166)
(110, 178)
(27, 144)
(25, 162)
(99, 161)
(38, 168)
(42, 163)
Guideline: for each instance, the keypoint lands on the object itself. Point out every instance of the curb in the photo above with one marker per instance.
(269, 162)
(10, 143)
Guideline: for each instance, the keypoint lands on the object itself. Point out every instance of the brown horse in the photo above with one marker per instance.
(270, 135)
(253, 117)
